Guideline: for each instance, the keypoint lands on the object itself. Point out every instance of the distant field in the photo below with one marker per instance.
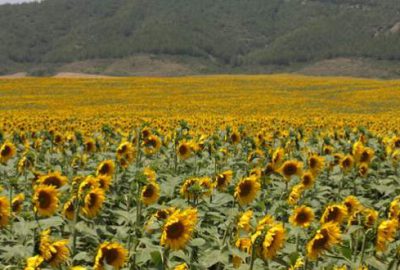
(232, 100)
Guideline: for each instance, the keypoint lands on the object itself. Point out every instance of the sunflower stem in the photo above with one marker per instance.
(74, 231)
(253, 256)
(363, 247)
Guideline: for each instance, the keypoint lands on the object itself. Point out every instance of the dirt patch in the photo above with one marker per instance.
(14, 76)
(79, 75)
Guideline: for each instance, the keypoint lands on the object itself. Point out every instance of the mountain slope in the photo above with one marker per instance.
(224, 35)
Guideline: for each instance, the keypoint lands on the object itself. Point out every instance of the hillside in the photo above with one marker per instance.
(173, 37)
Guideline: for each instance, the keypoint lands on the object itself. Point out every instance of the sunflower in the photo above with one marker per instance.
(54, 253)
(17, 202)
(106, 167)
(206, 185)
(277, 158)
(78, 268)
(298, 264)
(267, 220)
(152, 144)
(4, 211)
(88, 183)
(307, 180)
(33, 263)
(25, 163)
(45, 200)
(327, 236)
(274, 240)
(90, 145)
(347, 163)
(291, 168)
(163, 214)
(223, 179)
(125, 154)
(150, 193)
(182, 266)
(190, 189)
(53, 179)
(302, 216)
(178, 229)
(244, 245)
(104, 182)
(315, 164)
(69, 209)
(385, 234)
(352, 204)
(246, 190)
(112, 254)
(235, 137)
(327, 150)
(59, 253)
(184, 150)
(7, 151)
(150, 174)
(93, 202)
(334, 213)
(295, 194)
(363, 169)
(370, 217)
(244, 221)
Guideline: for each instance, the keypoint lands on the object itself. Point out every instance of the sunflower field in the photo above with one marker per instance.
(218, 172)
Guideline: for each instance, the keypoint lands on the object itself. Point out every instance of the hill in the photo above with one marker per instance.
(173, 37)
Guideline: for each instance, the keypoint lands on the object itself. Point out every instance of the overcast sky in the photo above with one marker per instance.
(14, 1)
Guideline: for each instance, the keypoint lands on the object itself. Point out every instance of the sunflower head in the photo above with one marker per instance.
(93, 202)
(45, 200)
(33, 263)
(295, 194)
(7, 151)
(4, 211)
(272, 242)
(223, 179)
(235, 137)
(184, 150)
(347, 163)
(244, 221)
(178, 229)
(69, 209)
(59, 253)
(112, 254)
(291, 168)
(53, 179)
(17, 202)
(307, 180)
(106, 167)
(335, 213)
(352, 204)
(315, 164)
(326, 237)
(151, 144)
(246, 190)
(386, 234)
(302, 216)
(150, 193)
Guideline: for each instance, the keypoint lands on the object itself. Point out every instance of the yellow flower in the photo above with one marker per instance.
(267, 220)
(352, 204)
(106, 167)
(315, 164)
(150, 174)
(53, 179)
(59, 253)
(152, 144)
(326, 237)
(17, 202)
(90, 145)
(7, 151)
(277, 158)
(182, 266)
(223, 179)
(246, 190)
(385, 234)
(178, 229)
(45, 200)
(150, 193)
(307, 180)
(335, 213)
(69, 208)
(112, 254)
(78, 268)
(235, 137)
(370, 217)
(273, 241)
(104, 182)
(295, 194)
(33, 263)
(243, 244)
(4, 211)
(93, 202)
(298, 264)
(184, 150)
(244, 221)
(347, 163)
(302, 216)
(291, 168)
